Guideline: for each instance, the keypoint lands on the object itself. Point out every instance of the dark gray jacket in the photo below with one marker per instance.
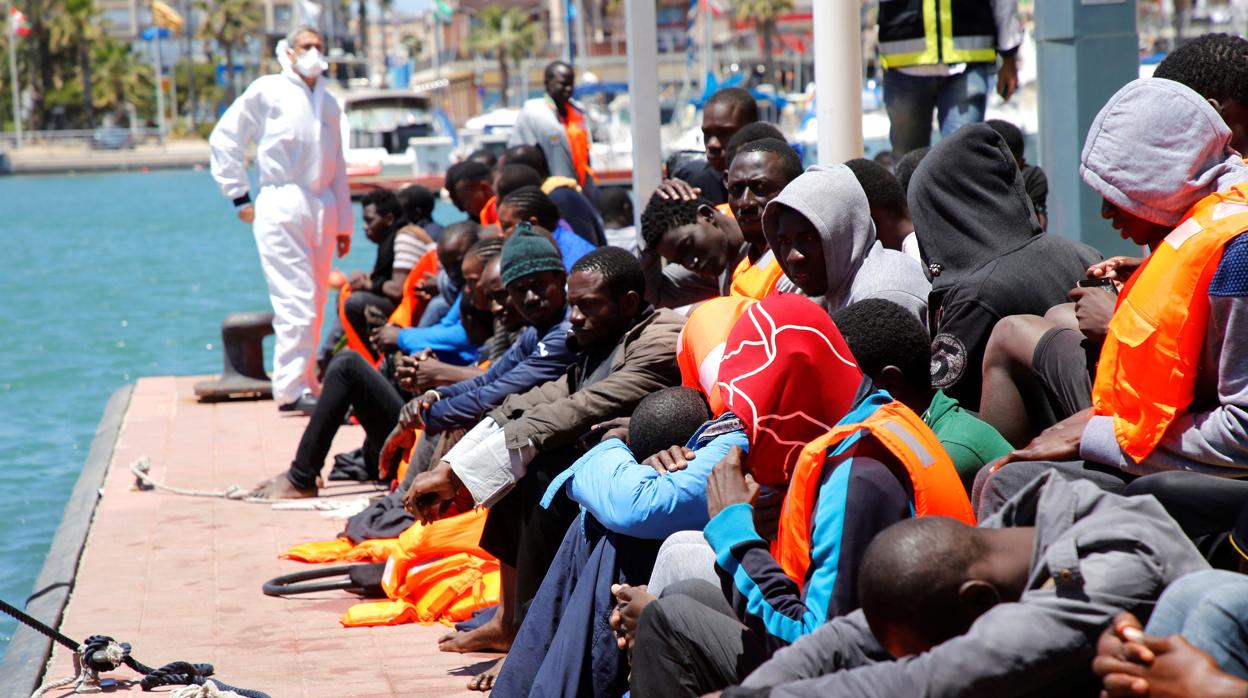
(1097, 554)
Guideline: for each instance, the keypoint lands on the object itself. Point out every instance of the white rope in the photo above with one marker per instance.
(85, 679)
(207, 690)
(143, 466)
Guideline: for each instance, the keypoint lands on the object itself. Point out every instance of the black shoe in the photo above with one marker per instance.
(306, 404)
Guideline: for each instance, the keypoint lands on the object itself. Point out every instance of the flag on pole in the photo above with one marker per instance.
(18, 24)
(166, 17)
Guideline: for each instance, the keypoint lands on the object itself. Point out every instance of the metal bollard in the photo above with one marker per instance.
(243, 375)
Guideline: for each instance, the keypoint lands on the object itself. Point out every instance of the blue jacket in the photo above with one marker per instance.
(858, 497)
(636, 500)
(531, 361)
(448, 339)
(571, 245)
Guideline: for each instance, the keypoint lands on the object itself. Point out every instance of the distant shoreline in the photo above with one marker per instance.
(43, 160)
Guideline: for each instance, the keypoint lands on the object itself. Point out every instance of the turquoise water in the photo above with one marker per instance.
(105, 279)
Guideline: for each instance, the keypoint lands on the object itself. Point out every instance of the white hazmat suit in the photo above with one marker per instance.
(303, 207)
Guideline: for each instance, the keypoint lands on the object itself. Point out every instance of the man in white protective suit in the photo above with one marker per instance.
(304, 206)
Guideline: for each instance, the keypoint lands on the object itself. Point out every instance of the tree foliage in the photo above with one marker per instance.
(508, 33)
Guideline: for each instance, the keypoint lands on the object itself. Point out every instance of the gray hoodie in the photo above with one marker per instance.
(1181, 139)
(1156, 149)
(858, 266)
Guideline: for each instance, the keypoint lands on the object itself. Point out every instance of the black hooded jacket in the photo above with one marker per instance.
(984, 251)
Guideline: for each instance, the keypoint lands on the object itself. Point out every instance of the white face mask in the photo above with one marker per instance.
(309, 63)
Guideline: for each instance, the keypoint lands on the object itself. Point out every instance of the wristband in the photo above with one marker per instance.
(243, 200)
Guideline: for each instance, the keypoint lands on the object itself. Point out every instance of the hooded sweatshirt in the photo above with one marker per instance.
(984, 251)
(857, 265)
(1155, 150)
(1171, 127)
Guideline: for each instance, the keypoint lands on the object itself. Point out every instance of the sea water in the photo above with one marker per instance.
(105, 279)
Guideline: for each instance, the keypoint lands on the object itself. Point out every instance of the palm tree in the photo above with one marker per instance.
(75, 29)
(764, 13)
(229, 23)
(509, 33)
(126, 79)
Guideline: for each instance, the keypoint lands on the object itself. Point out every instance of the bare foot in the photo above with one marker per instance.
(491, 637)
(280, 487)
(485, 680)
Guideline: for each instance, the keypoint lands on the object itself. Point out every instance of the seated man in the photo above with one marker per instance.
(1169, 391)
(446, 338)
(383, 288)
(574, 206)
(984, 251)
(821, 231)
(889, 211)
(418, 204)
(531, 286)
(759, 170)
(1011, 608)
(470, 188)
(854, 461)
(1038, 372)
(895, 353)
(353, 383)
(531, 205)
(625, 351)
(728, 252)
(558, 642)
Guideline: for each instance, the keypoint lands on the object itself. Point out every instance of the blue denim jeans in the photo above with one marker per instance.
(566, 647)
(1210, 610)
(957, 100)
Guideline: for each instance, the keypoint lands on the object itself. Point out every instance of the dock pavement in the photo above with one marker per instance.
(179, 577)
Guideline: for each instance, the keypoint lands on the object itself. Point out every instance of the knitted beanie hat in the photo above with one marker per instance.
(528, 252)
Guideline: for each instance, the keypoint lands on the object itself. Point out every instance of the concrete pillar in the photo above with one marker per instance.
(1085, 51)
(643, 100)
(838, 80)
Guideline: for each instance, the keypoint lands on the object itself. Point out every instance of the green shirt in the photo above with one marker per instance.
(970, 442)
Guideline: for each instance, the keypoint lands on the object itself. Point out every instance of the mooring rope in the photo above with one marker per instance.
(143, 479)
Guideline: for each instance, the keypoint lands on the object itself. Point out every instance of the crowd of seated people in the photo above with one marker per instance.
(835, 432)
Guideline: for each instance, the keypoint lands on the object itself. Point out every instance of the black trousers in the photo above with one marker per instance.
(689, 642)
(1206, 507)
(350, 382)
(354, 310)
(523, 534)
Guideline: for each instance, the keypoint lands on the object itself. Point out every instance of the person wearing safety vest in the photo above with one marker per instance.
(558, 126)
(939, 55)
(1170, 384)
(854, 460)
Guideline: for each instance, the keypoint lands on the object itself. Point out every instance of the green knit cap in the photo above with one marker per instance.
(528, 252)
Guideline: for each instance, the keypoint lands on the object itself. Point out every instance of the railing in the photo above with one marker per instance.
(111, 138)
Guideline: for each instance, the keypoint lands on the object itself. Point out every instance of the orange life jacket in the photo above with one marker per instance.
(578, 139)
(701, 342)
(754, 280)
(437, 573)
(1149, 362)
(489, 212)
(412, 306)
(937, 488)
